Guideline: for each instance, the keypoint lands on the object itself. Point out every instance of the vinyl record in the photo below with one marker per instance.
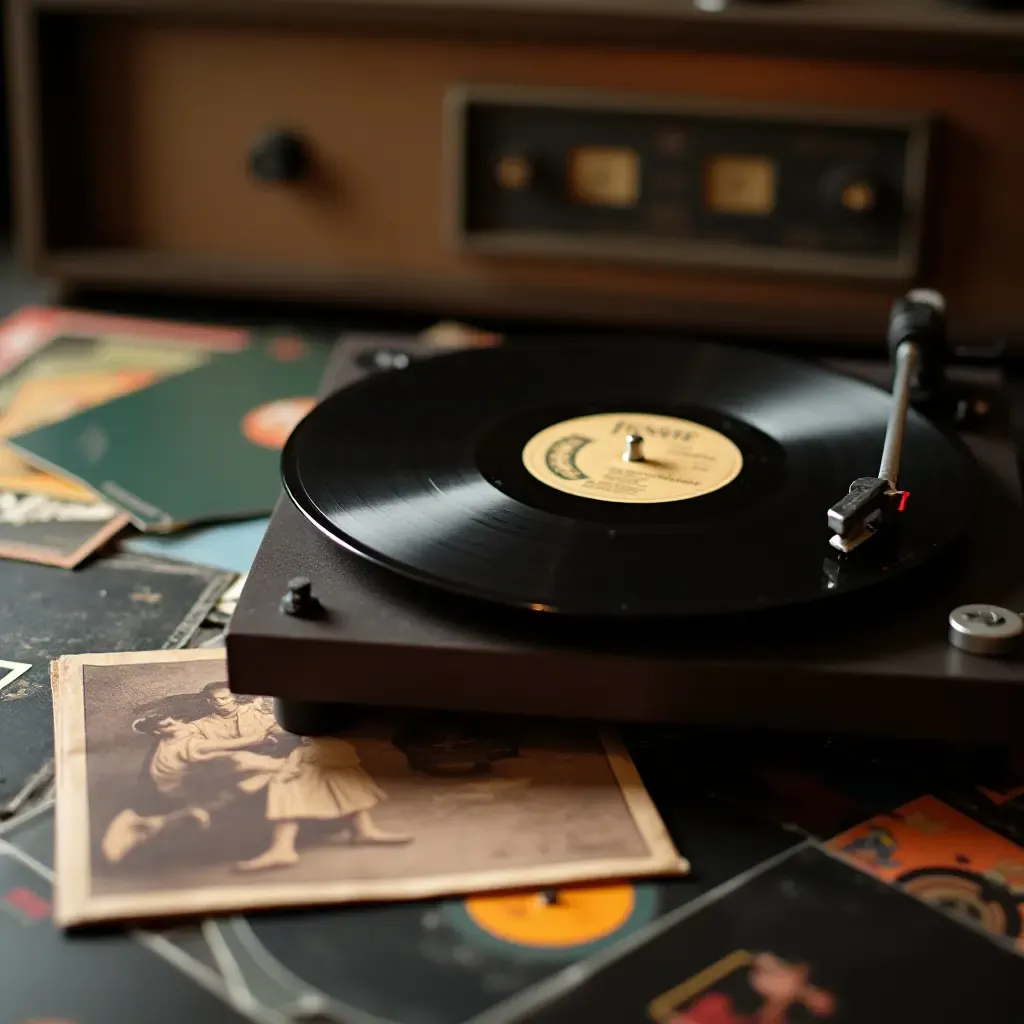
(442, 962)
(501, 475)
(456, 961)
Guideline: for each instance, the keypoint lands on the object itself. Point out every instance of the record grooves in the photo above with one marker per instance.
(500, 475)
(445, 962)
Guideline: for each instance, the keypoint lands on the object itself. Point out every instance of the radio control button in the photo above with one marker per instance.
(279, 156)
(859, 197)
(514, 172)
(852, 192)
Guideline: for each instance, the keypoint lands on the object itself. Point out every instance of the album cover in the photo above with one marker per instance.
(33, 833)
(69, 361)
(35, 527)
(816, 786)
(21, 334)
(176, 796)
(47, 341)
(804, 938)
(463, 960)
(120, 602)
(198, 446)
(943, 857)
(39, 401)
(996, 804)
(228, 546)
(47, 975)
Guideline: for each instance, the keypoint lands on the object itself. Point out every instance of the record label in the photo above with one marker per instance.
(577, 917)
(589, 457)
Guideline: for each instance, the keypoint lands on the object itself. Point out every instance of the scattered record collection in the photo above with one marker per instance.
(655, 680)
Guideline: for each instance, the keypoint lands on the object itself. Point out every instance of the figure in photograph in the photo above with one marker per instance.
(207, 746)
(321, 780)
(178, 796)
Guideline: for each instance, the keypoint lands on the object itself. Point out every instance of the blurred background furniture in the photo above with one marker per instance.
(313, 149)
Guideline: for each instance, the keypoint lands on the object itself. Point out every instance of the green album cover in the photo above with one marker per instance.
(201, 446)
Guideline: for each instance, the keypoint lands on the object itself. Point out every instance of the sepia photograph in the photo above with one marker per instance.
(177, 796)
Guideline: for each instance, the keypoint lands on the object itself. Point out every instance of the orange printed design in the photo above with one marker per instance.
(946, 859)
(140, 329)
(270, 425)
(26, 905)
(1004, 797)
(287, 350)
(22, 333)
(744, 988)
(579, 916)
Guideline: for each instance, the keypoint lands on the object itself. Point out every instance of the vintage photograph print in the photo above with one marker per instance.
(175, 796)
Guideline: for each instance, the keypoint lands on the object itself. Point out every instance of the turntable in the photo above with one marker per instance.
(647, 531)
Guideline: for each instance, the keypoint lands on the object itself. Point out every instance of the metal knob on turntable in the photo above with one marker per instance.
(984, 629)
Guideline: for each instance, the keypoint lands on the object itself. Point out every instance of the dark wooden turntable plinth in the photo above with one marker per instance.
(882, 667)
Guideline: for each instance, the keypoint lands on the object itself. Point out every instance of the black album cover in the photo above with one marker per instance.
(805, 939)
(47, 975)
(120, 603)
(33, 834)
(996, 803)
(40, 528)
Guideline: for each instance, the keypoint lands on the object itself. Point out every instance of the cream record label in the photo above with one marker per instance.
(632, 458)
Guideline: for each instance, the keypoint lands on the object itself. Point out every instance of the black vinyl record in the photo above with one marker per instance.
(501, 474)
(432, 962)
(458, 960)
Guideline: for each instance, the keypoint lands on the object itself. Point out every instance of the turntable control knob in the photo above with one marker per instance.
(852, 192)
(984, 629)
(279, 156)
(380, 360)
(299, 601)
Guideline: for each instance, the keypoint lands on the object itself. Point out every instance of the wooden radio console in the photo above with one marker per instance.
(765, 167)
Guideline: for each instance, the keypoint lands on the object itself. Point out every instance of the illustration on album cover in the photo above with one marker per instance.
(745, 988)
(945, 858)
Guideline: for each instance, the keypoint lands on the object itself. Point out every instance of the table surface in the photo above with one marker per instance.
(762, 819)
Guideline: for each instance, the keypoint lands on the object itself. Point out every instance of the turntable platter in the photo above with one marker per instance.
(608, 479)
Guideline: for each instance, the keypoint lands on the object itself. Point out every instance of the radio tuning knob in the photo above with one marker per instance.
(859, 197)
(279, 156)
(852, 192)
(514, 172)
